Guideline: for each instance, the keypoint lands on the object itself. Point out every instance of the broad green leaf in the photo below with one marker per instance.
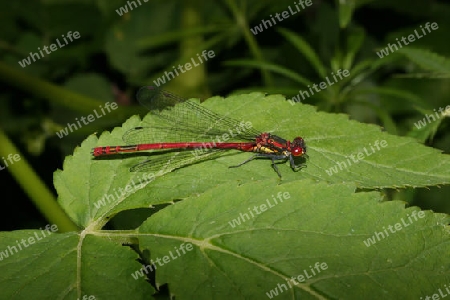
(336, 243)
(275, 90)
(67, 266)
(340, 150)
(214, 245)
(199, 248)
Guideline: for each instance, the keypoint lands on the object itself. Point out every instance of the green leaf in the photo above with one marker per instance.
(427, 127)
(91, 85)
(346, 9)
(307, 225)
(305, 219)
(385, 118)
(427, 60)
(104, 187)
(271, 67)
(121, 43)
(354, 42)
(218, 246)
(301, 45)
(405, 96)
(66, 266)
(423, 133)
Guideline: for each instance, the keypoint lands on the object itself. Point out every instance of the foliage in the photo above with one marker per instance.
(335, 206)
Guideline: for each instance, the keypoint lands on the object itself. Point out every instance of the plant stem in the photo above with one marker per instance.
(57, 95)
(34, 187)
(191, 18)
(250, 39)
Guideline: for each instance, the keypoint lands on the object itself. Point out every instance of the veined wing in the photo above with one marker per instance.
(177, 114)
(167, 162)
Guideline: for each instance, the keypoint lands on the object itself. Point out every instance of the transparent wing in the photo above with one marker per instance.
(178, 120)
(165, 163)
(175, 115)
(158, 134)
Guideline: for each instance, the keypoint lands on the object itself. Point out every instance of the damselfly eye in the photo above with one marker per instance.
(297, 151)
(298, 147)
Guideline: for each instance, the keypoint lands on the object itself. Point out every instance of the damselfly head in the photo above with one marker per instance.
(298, 147)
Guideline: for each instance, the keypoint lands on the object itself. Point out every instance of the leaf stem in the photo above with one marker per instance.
(33, 186)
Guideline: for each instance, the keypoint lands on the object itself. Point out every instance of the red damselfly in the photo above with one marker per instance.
(186, 125)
